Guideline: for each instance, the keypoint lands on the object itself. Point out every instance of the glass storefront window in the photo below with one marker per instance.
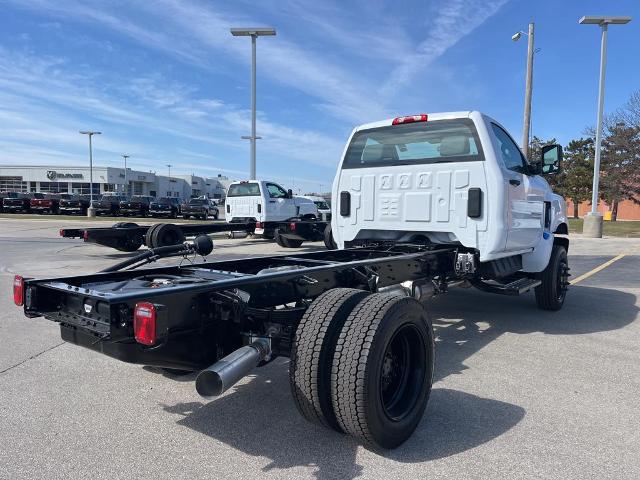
(12, 184)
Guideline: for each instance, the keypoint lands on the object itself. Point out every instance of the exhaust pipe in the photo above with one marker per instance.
(223, 374)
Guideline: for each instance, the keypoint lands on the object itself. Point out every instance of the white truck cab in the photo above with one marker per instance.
(265, 201)
(448, 178)
(324, 207)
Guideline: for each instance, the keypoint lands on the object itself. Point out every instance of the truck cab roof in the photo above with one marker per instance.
(430, 116)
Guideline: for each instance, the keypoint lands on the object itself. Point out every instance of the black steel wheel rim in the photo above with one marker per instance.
(563, 280)
(402, 373)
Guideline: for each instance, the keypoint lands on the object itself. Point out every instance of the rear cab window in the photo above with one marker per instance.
(244, 190)
(416, 143)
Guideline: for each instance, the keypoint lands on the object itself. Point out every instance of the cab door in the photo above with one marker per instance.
(525, 207)
(279, 205)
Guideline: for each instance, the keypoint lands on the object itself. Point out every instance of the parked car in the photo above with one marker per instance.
(17, 202)
(199, 208)
(45, 202)
(74, 204)
(108, 204)
(138, 205)
(165, 207)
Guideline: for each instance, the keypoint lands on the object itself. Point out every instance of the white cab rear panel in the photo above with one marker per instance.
(416, 198)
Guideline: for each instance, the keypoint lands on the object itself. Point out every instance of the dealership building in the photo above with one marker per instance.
(60, 179)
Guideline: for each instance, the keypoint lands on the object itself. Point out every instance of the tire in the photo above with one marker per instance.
(167, 234)
(186, 217)
(279, 241)
(287, 242)
(130, 244)
(550, 294)
(329, 242)
(125, 225)
(312, 354)
(383, 370)
(149, 239)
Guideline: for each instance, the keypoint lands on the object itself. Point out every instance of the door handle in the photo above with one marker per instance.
(514, 181)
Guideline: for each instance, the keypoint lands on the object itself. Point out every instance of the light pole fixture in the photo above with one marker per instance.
(90, 211)
(126, 183)
(592, 226)
(526, 127)
(169, 167)
(254, 33)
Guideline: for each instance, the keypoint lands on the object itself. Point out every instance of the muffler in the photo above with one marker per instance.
(223, 374)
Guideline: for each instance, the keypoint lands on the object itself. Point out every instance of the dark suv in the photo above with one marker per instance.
(138, 205)
(108, 205)
(165, 207)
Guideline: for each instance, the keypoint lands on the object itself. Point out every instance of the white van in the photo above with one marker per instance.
(265, 201)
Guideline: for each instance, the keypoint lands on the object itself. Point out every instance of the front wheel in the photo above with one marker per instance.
(550, 294)
(382, 370)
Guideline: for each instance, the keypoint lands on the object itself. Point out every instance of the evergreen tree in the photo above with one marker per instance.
(574, 181)
(620, 166)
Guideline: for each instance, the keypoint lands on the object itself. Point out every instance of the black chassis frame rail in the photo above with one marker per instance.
(222, 303)
(114, 237)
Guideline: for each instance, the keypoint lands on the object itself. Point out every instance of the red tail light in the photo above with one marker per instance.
(85, 235)
(292, 226)
(61, 232)
(410, 119)
(258, 224)
(144, 323)
(18, 290)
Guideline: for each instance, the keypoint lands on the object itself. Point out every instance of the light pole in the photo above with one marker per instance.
(169, 167)
(592, 226)
(126, 183)
(528, 88)
(254, 33)
(91, 212)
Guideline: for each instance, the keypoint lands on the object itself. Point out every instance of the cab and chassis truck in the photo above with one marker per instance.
(423, 203)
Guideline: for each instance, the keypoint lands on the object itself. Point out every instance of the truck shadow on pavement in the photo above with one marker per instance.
(259, 417)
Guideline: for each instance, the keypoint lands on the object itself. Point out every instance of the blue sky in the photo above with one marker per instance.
(166, 82)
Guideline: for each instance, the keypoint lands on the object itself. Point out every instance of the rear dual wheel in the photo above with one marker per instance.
(163, 234)
(287, 242)
(378, 352)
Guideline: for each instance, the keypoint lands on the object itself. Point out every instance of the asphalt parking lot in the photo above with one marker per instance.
(519, 393)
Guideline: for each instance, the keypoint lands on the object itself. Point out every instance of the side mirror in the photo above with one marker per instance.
(289, 193)
(551, 156)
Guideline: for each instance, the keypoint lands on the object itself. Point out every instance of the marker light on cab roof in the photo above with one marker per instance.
(410, 119)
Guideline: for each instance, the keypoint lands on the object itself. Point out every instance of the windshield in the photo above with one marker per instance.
(197, 201)
(244, 190)
(322, 205)
(415, 143)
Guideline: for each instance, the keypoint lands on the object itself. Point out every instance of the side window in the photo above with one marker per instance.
(276, 191)
(511, 155)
